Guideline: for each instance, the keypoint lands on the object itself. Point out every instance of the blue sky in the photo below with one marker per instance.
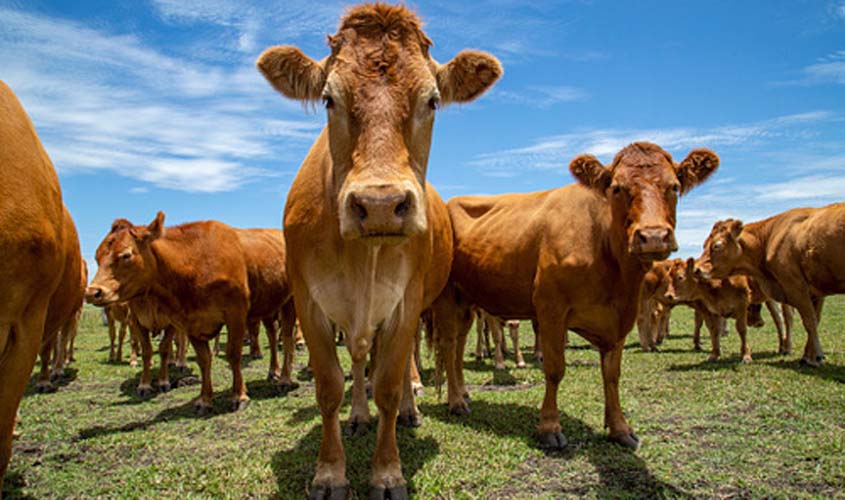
(157, 105)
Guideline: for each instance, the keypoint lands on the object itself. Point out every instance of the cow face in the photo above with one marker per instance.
(126, 265)
(642, 185)
(722, 250)
(682, 284)
(380, 88)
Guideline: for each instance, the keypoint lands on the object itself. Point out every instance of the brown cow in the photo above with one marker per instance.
(196, 276)
(39, 258)
(654, 311)
(368, 240)
(576, 261)
(488, 326)
(795, 256)
(64, 345)
(119, 313)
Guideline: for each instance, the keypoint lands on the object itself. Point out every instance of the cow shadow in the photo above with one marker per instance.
(834, 373)
(178, 379)
(732, 361)
(68, 377)
(294, 467)
(13, 485)
(622, 473)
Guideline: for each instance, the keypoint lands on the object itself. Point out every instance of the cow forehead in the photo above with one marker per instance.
(115, 242)
(643, 161)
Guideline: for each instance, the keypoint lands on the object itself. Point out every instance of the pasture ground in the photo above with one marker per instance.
(709, 430)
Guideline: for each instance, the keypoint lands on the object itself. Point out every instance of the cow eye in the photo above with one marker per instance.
(328, 101)
(125, 256)
(434, 103)
(676, 189)
(717, 246)
(616, 188)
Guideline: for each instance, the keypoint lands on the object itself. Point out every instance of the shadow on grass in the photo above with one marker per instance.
(69, 376)
(621, 472)
(834, 373)
(13, 486)
(294, 467)
(730, 362)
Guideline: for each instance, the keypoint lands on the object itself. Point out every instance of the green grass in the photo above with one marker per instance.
(709, 430)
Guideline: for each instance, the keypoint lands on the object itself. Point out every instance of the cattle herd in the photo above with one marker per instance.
(369, 248)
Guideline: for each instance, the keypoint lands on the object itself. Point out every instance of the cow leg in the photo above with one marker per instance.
(19, 346)
(254, 328)
(181, 351)
(165, 349)
(714, 326)
(807, 307)
(57, 368)
(286, 331)
(217, 344)
(112, 330)
(498, 342)
(43, 384)
(134, 346)
(273, 372)
(614, 420)
(553, 341)
(663, 324)
(409, 414)
(538, 349)
(450, 319)
(517, 354)
(203, 404)
(145, 387)
(235, 330)
(415, 364)
(742, 330)
(696, 332)
(391, 370)
(787, 326)
(771, 305)
(480, 351)
(460, 349)
(359, 415)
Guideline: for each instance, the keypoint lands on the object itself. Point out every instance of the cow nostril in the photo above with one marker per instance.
(403, 208)
(359, 209)
(98, 293)
(642, 237)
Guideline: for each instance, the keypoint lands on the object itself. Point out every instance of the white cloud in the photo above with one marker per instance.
(109, 101)
(540, 96)
(827, 70)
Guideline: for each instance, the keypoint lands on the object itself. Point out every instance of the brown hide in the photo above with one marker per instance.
(653, 316)
(190, 278)
(368, 239)
(34, 249)
(796, 257)
(573, 258)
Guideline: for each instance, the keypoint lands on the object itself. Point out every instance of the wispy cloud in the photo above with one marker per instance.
(103, 100)
(829, 69)
(540, 96)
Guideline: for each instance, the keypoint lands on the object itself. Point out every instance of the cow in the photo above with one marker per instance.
(654, 311)
(119, 313)
(270, 299)
(40, 258)
(64, 345)
(796, 257)
(572, 258)
(193, 276)
(368, 239)
(488, 326)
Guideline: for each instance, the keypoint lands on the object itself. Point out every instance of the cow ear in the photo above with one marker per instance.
(156, 227)
(690, 267)
(735, 227)
(591, 173)
(119, 224)
(467, 76)
(292, 73)
(696, 168)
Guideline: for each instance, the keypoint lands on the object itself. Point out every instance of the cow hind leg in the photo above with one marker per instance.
(450, 318)
(203, 404)
(254, 329)
(287, 329)
(114, 356)
(236, 329)
(514, 334)
(742, 330)
(145, 386)
(807, 308)
(165, 350)
(498, 342)
(273, 371)
(409, 414)
(359, 415)
(538, 349)
(787, 327)
(43, 384)
(696, 332)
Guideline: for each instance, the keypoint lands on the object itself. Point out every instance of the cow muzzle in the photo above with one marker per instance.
(653, 243)
(381, 214)
(99, 296)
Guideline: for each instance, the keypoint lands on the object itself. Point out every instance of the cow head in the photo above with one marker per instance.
(380, 88)
(722, 250)
(126, 266)
(642, 185)
(682, 284)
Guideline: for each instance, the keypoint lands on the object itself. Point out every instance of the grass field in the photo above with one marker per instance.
(709, 430)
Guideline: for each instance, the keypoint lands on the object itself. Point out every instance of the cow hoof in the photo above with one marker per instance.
(552, 441)
(696, 348)
(329, 493)
(286, 387)
(164, 386)
(521, 364)
(499, 366)
(413, 420)
(183, 370)
(356, 428)
(813, 363)
(627, 440)
(713, 359)
(239, 404)
(382, 493)
(45, 388)
(460, 410)
(144, 392)
(202, 409)
(257, 356)
(539, 359)
(746, 361)
(55, 377)
(171, 364)
(418, 389)
(133, 364)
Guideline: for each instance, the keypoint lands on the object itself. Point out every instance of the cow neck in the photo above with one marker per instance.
(753, 240)
(159, 289)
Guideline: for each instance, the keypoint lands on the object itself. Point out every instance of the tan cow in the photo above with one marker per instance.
(119, 313)
(487, 327)
(573, 258)
(39, 258)
(66, 337)
(195, 274)
(654, 309)
(368, 240)
(797, 258)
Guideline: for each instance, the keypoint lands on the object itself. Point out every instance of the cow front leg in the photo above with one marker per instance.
(787, 327)
(145, 387)
(165, 350)
(449, 318)
(620, 431)
(253, 330)
(553, 342)
(409, 414)
(115, 357)
(538, 346)
(513, 326)
(359, 415)
(498, 342)
(203, 404)
(714, 326)
(273, 372)
(236, 330)
(287, 327)
(696, 332)
(742, 330)
(813, 354)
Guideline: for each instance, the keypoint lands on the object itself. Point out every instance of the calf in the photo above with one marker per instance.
(369, 242)
(193, 275)
(653, 315)
(573, 258)
(490, 326)
(119, 313)
(39, 258)
(795, 256)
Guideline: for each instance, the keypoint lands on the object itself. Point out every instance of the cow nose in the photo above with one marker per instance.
(381, 211)
(93, 294)
(654, 240)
